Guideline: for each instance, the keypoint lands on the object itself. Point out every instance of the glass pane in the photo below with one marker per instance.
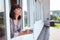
(2, 27)
(26, 14)
(26, 18)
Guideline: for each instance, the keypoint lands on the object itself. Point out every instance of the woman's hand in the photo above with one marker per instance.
(27, 31)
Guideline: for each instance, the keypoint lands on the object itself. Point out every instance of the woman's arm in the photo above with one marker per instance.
(11, 29)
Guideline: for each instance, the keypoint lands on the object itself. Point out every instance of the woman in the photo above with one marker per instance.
(15, 20)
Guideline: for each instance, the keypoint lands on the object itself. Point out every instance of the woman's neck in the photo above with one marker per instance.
(16, 16)
(16, 20)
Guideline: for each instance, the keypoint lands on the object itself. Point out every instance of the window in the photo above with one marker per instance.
(26, 18)
(19, 28)
(26, 14)
(2, 19)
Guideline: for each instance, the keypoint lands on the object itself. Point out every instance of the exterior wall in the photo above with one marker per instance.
(46, 12)
(41, 36)
(44, 34)
(38, 25)
(46, 7)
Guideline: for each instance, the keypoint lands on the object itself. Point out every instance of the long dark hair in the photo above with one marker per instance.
(12, 14)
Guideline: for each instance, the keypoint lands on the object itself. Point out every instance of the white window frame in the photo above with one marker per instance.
(30, 19)
(7, 10)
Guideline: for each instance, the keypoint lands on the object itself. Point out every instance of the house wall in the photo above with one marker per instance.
(38, 25)
(46, 8)
(44, 34)
(46, 11)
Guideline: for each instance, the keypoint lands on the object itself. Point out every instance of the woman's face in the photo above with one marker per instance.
(18, 11)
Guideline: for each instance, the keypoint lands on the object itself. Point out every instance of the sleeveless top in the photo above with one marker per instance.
(15, 28)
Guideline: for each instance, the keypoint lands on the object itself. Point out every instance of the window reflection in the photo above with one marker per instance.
(2, 27)
(26, 18)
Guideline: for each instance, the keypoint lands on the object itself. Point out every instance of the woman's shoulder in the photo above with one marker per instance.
(11, 20)
(20, 21)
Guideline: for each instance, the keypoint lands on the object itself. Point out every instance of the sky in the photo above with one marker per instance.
(54, 5)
